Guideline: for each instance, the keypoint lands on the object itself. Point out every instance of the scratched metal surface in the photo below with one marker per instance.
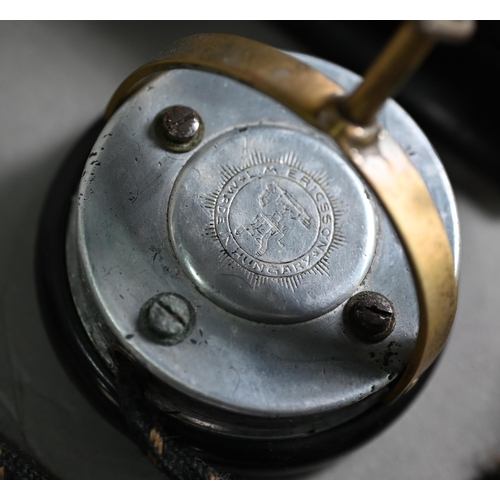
(55, 81)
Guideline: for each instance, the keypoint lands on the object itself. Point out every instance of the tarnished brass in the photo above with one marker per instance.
(401, 57)
(372, 152)
(289, 81)
(407, 200)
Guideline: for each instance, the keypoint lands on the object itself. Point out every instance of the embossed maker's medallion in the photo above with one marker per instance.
(274, 220)
(271, 224)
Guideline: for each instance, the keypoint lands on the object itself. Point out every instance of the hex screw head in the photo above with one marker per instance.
(179, 128)
(167, 318)
(370, 316)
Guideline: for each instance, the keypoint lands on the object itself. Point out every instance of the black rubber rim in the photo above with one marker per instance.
(87, 369)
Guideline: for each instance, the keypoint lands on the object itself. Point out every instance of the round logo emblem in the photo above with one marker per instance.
(274, 220)
(272, 224)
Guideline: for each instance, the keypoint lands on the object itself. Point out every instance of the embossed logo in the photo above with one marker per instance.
(274, 220)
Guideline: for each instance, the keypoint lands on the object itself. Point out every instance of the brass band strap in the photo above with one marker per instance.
(289, 81)
(381, 162)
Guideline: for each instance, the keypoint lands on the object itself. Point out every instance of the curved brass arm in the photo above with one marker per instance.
(289, 81)
(380, 160)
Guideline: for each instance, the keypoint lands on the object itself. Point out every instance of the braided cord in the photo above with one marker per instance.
(170, 454)
(14, 465)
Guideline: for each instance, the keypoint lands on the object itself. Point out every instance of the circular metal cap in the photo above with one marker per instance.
(272, 224)
(259, 235)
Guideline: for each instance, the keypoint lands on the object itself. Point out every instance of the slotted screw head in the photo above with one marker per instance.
(370, 316)
(179, 128)
(167, 318)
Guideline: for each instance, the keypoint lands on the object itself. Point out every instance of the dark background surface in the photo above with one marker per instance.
(55, 81)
